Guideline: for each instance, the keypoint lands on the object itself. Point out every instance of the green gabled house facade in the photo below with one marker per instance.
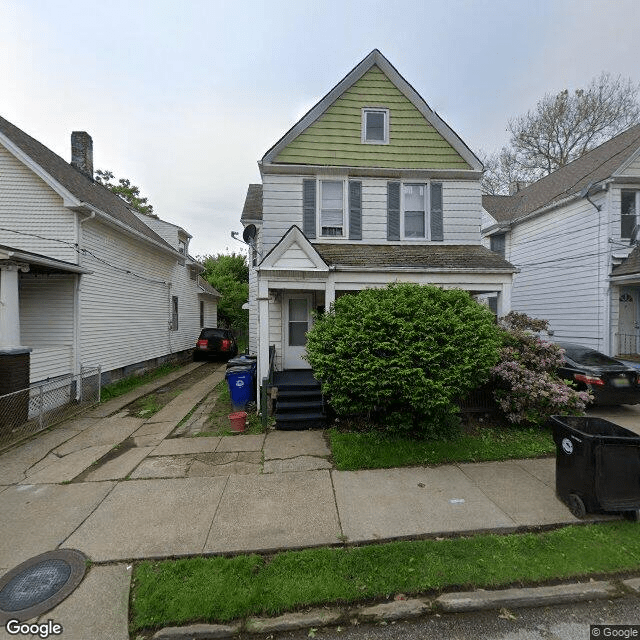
(371, 186)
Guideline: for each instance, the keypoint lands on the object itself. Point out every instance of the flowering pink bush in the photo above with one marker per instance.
(527, 388)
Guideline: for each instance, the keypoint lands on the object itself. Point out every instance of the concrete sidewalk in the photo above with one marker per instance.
(159, 497)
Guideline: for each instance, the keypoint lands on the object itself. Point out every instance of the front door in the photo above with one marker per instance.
(628, 323)
(297, 321)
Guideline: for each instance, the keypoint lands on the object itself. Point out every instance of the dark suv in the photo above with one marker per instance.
(215, 343)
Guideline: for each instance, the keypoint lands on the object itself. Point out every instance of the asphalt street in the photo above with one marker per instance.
(569, 622)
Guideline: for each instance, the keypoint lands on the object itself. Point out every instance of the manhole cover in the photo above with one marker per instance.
(40, 583)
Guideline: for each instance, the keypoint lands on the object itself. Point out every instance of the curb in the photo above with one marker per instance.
(402, 608)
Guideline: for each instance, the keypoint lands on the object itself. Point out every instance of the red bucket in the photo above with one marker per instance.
(238, 421)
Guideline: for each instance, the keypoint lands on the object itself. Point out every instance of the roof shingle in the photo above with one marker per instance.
(458, 257)
(594, 166)
(77, 183)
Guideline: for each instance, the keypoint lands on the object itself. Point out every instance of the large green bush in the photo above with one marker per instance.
(403, 355)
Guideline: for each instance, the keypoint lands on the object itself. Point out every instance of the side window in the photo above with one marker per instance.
(497, 243)
(201, 314)
(629, 211)
(174, 313)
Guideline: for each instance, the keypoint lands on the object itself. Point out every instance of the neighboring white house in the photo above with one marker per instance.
(571, 235)
(85, 282)
(369, 187)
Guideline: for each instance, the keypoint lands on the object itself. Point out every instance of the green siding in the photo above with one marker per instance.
(334, 139)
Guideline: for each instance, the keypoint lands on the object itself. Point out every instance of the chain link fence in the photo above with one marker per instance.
(25, 412)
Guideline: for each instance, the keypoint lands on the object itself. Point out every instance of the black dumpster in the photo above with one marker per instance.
(597, 466)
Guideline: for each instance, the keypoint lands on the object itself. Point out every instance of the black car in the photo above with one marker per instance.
(609, 380)
(215, 343)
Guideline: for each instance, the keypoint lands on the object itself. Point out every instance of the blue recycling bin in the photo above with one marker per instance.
(244, 360)
(242, 388)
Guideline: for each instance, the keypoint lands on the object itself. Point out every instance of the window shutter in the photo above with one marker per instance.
(393, 211)
(309, 208)
(437, 232)
(355, 210)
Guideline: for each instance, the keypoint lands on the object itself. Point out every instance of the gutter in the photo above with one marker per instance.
(128, 230)
(559, 203)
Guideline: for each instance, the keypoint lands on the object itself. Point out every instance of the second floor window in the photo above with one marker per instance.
(375, 126)
(332, 208)
(414, 198)
(629, 214)
(497, 243)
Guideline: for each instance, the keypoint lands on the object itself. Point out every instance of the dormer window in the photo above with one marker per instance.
(375, 126)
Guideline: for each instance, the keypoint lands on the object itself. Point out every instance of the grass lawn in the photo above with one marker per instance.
(125, 385)
(221, 589)
(374, 450)
(218, 421)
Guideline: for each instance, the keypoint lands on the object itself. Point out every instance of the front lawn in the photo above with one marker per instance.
(221, 589)
(375, 450)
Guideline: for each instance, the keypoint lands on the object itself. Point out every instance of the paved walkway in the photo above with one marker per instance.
(119, 489)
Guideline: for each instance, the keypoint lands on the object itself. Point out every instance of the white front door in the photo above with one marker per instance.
(297, 321)
(628, 323)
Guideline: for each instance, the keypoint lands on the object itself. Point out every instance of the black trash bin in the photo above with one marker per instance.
(597, 466)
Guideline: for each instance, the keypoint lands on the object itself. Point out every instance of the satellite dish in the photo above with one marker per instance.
(249, 233)
(585, 192)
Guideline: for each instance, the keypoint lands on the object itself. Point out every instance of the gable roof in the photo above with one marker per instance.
(375, 59)
(206, 288)
(252, 209)
(593, 167)
(75, 183)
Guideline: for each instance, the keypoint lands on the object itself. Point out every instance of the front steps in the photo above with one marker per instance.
(299, 404)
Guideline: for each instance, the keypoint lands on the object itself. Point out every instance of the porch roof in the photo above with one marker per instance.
(42, 264)
(427, 257)
(630, 266)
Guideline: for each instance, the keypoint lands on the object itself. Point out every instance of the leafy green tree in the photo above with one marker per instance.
(127, 191)
(404, 355)
(229, 274)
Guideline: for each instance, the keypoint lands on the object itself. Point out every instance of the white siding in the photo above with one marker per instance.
(253, 310)
(282, 208)
(563, 258)
(47, 312)
(29, 206)
(125, 316)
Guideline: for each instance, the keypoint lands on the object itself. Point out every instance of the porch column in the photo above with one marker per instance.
(504, 300)
(329, 294)
(10, 304)
(263, 331)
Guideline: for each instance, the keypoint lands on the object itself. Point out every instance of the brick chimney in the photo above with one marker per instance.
(82, 153)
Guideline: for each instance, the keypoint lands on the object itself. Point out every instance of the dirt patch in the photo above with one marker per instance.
(146, 406)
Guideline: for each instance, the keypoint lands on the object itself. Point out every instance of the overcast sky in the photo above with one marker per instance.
(184, 97)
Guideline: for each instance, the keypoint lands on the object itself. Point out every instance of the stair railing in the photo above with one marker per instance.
(267, 381)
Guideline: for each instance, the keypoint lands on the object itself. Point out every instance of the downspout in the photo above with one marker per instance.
(77, 337)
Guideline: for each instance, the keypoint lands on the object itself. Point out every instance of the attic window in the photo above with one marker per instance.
(375, 126)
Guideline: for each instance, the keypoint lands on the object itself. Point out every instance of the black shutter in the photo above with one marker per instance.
(437, 232)
(309, 208)
(355, 210)
(393, 211)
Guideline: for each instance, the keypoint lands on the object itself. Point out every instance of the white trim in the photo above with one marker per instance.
(363, 133)
(291, 237)
(68, 199)
(618, 173)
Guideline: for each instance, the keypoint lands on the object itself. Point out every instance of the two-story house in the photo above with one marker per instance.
(571, 235)
(370, 187)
